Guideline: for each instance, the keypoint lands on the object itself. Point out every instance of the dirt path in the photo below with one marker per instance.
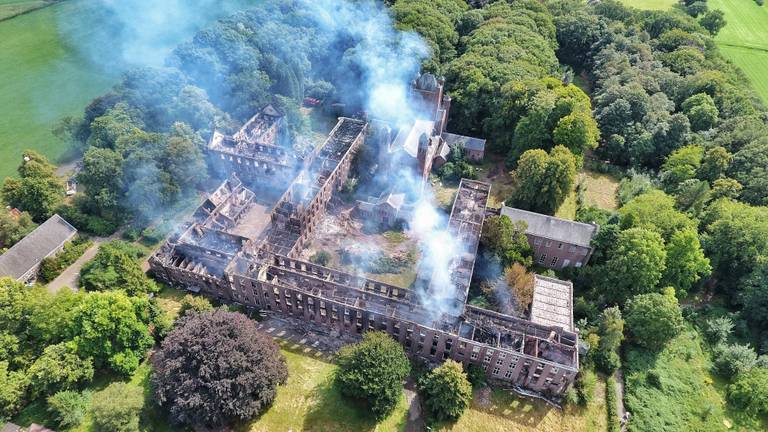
(618, 377)
(71, 275)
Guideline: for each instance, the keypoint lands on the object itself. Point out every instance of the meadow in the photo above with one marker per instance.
(744, 40)
(650, 4)
(53, 62)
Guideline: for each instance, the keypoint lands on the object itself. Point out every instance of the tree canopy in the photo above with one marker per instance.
(215, 368)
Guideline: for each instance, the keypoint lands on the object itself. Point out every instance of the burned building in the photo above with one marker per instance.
(254, 152)
(231, 250)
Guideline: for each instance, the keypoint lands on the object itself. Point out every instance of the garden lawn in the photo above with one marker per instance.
(650, 4)
(744, 40)
(502, 411)
(12, 8)
(675, 391)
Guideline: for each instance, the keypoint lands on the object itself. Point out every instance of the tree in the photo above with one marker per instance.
(750, 167)
(714, 164)
(713, 21)
(701, 111)
(521, 283)
(373, 371)
(750, 391)
(718, 330)
(732, 360)
(116, 267)
(446, 391)
(725, 188)
(69, 407)
(680, 166)
(112, 328)
(754, 295)
(636, 265)
(13, 229)
(59, 368)
(117, 408)
(654, 319)
(194, 304)
(686, 263)
(611, 332)
(655, 211)
(544, 180)
(13, 387)
(735, 237)
(38, 190)
(220, 357)
(506, 240)
(634, 184)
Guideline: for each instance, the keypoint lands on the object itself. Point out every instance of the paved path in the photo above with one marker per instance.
(71, 275)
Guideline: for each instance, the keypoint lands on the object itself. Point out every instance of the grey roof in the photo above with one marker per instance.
(552, 303)
(469, 143)
(550, 227)
(408, 138)
(38, 244)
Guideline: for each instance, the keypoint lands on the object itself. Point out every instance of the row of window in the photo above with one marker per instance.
(560, 245)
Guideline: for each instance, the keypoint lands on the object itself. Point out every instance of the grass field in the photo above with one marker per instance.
(744, 40)
(12, 8)
(674, 390)
(650, 4)
(55, 60)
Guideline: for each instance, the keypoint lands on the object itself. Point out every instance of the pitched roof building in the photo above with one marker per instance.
(22, 261)
(556, 242)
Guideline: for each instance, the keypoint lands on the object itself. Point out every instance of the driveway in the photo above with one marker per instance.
(71, 275)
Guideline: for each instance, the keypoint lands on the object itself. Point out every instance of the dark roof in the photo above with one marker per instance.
(37, 245)
(469, 143)
(550, 227)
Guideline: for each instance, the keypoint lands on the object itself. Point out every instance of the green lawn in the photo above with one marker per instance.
(12, 8)
(53, 62)
(744, 40)
(674, 390)
(650, 4)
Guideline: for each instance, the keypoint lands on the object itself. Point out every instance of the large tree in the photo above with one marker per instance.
(544, 180)
(655, 211)
(112, 328)
(373, 371)
(686, 263)
(446, 390)
(13, 229)
(506, 240)
(37, 190)
(59, 368)
(654, 319)
(215, 368)
(636, 265)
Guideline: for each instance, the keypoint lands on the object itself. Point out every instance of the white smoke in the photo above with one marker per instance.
(390, 60)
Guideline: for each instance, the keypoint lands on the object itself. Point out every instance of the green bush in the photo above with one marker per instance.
(321, 258)
(373, 371)
(51, 267)
(117, 408)
(476, 376)
(68, 407)
(446, 391)
(585, 385)
(750, 391)
(611, 401)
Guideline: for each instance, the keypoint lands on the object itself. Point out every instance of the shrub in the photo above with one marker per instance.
(654, 319)
(476, 376)
(232, 369)
(68, 407)
(117, 408)
(611, 405)
(750, 391)
(585, 385)
(194, 304)
(373, 371)
(718, 330)
(731, 360)
(51, 267)
(321, 258)
(447, 392)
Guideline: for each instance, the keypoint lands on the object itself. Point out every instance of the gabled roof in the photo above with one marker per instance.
(38, 244)
(408, 139)
(566, 231)
(552, 303)
(469, 143)
(271, 111)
